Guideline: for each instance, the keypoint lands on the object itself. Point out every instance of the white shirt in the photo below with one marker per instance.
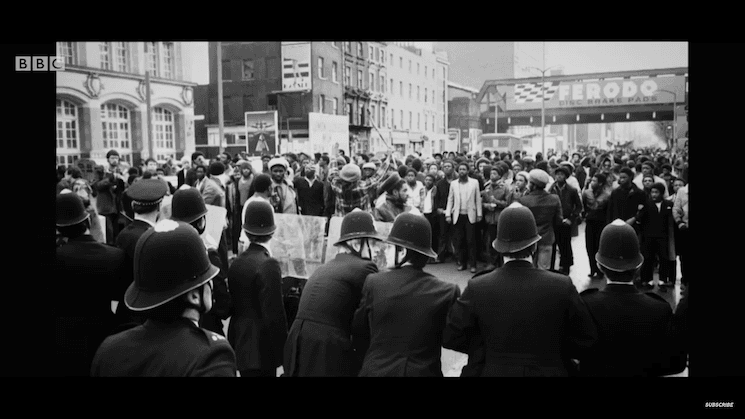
(659, 206)
(428, 201)
(414, 199)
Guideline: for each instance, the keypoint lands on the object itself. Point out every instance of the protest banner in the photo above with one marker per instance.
(298, 244)
(216, 221)
(383, 253)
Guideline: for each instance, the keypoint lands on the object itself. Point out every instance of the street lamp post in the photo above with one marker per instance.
(675, 119)
(543, 105)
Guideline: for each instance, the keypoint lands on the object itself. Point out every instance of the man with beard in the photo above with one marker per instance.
(441, 202)
(463, 211)
(395, 200)
(571, 207)
(284, 197)
(413, 188)
(656, 223)
(546, 209)
(309, 192)
(319, 343)
(109, 191)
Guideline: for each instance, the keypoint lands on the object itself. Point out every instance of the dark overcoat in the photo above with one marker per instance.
(88, 276)
(258, 324)
(319, 343)
(400, 321)
(633, 333)
(127, 241)
(532, 322)
(165, 349)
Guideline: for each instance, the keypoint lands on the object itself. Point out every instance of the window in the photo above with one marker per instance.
(104, 49)
(373, 116)
(426, 120)
(417, 93)
(362, 114)
(382, 84)
(417, 69)
(382, 56)
(321, 74)
(401, 88)
(151, 55)
(359, 79)
(372, 81)
(410, 118)
(401, 118)
(67, 50)
(433, 73)
(163, 129)
(393, 118)
(226, 70)
(409, 66)
(321, 103)
(377, 55)
(348, 46)
(391, 59)
(334, 71)
(425, 71)
(335, 107)
(67, 132)
(168, 60)
(410, 91)
(248, 69)
(350, 113)
(371, 52)
(335, 44)
(347, 76)
(360, 52)
(391, 90)
(383, 116)
(418, 121)
(425, 95)
(401, 62)
(115, 120)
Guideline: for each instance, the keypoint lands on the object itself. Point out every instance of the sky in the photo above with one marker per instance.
(470, 61)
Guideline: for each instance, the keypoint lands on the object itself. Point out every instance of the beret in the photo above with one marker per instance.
(538, 177)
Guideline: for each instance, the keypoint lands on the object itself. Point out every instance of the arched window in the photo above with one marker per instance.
(68, 146)
(163, 132)
(117, 135)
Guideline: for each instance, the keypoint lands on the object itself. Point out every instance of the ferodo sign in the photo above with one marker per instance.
(571, 94)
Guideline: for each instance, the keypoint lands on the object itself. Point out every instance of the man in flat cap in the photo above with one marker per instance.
(146, 196)
(546, 209)
(83, 318)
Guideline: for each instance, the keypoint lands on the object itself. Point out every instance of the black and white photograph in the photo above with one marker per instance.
(373, 209)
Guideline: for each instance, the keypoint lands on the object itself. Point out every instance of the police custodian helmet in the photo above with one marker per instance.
(516, 229)
(619, 248)
(259, 219)
(358, 224)
(169, 261)
(412, 232)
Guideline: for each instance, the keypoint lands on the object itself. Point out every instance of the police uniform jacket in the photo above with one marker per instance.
(83, 317)
(127, 241)
(165, 349)
(532, 322)
(633, 333)
(400, 321)
(546, 209)
(258, 325)
(320, 339)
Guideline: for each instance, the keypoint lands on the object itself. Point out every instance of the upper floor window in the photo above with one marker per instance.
(121, 53)
(359, 79)
(321, 73)
(104, 49)
(151, 56)
(248, 70)
(360, 52)
(334, 72)
(68, 51)
(168, 60)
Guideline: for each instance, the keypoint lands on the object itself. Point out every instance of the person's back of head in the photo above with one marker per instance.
(262, 183)
(196, 155)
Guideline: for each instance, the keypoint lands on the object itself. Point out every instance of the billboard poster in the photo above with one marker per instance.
(328, 133)
(296, 66)
(572, 94)
(261, 132)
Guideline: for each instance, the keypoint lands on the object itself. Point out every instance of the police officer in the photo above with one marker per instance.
(84, 317)
(398, 325)
(258, 325)
(172, 288)
(320, 339)
(532, 321)
(633, 326)
(188, 207)
(146, 196)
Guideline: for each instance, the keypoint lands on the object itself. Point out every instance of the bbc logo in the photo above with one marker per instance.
(40, 63)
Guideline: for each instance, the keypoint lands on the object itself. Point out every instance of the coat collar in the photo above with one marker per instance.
(621, 289)
(518, 264)
(83, 238)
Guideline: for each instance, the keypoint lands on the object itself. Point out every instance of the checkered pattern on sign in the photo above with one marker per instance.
(531, 92)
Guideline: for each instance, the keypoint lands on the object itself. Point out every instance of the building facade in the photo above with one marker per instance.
(416, 112)
(252, 82)
(101, 100)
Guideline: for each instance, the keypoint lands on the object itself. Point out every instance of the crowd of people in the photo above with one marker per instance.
(175, 285)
